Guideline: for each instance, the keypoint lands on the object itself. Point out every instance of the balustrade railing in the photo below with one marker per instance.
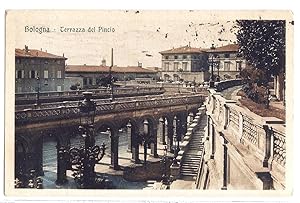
(72, 111)
(262, 136)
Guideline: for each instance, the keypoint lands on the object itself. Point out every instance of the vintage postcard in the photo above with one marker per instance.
(150, 103)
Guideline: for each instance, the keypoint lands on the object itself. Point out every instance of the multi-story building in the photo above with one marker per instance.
(227, 61)
(91, 76)
(185, 63)
(37, 70)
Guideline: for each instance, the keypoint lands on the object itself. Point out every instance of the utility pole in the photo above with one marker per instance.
(110, 75)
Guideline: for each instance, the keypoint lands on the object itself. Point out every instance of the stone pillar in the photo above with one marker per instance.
(170, 136)
(129, 138)
(213, 141)
(225, 164)
(183, 120)
(135, 147)
(114, 137)
(153, 132)
(268, 145)
(39, 158)
(61, 165)
(162, 129)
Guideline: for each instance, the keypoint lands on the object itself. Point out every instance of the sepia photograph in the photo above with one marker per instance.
(148, 101)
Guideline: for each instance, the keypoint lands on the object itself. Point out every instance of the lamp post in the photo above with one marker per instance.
(83, 159)
(111, 82)
(166, 180)
(37, 102)
(212, 79)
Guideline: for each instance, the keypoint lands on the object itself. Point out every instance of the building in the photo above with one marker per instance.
(227, 61)
(90, 76)
(185, 63)
(38, 70)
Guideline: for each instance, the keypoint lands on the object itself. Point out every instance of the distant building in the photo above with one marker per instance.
(228, 62)
(89, 76)
(185, 63)
(38, 69)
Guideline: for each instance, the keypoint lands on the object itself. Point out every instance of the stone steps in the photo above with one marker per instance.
(192, 157)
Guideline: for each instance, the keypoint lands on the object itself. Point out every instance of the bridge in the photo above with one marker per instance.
(144, 116)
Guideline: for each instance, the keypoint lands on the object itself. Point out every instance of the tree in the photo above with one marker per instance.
(262, 43)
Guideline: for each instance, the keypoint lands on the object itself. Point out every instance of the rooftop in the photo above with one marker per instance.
(183, 50)
(34, 53)
(105, 69)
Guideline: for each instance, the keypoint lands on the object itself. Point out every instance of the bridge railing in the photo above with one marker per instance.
(98, 101)
(66, 112)
(47, 97)
(264, 137)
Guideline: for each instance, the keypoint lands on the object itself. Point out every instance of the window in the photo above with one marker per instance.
(184, 66)
(20, 74)
(59, 74)
(227, 66)
(31, 61)
(166, 57)
(166, 66)
(175, 57)
(45, 73)
(238, 65)
(226, 55)
(58, 88)
(33, 74)
(58, 61)
(84, 81)
(176, 66)
(90, 81)
(184, 56)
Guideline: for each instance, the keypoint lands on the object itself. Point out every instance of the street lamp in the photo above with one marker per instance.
(110, 77)
(212, 79)
(166, 180)
(37, 102)
(83, 159)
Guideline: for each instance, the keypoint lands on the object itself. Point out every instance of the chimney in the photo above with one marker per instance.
(189, 44)
(63, 54)
(103, 62)
(140, 64)
(26, 48)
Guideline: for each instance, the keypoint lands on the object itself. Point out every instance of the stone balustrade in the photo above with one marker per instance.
(257, 142)
(72, 111)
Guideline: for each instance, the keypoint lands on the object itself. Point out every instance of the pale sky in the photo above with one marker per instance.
(136, 34)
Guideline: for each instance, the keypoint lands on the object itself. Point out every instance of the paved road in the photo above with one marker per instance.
(231, 93)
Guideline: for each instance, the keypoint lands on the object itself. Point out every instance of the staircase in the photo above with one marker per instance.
(192, 157)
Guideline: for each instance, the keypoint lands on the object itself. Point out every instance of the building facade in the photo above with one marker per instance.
(91, 76)
(184, 63)
(37, 70)
(227, 61)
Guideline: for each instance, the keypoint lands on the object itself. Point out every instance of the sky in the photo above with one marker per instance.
(139, 36)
